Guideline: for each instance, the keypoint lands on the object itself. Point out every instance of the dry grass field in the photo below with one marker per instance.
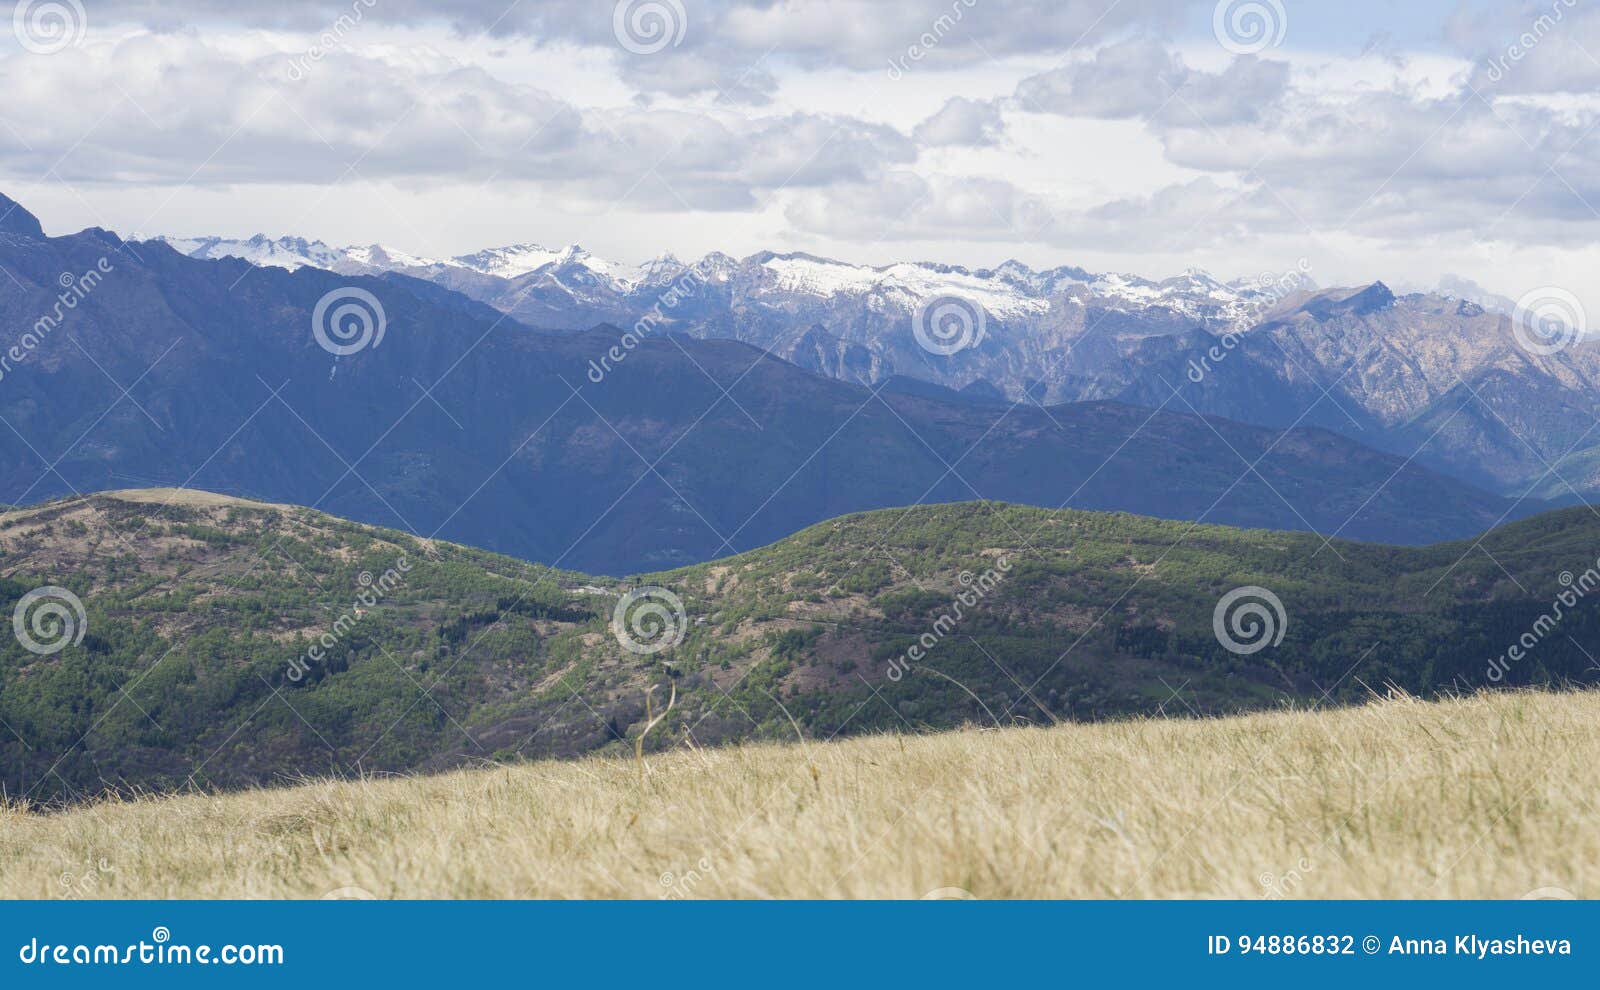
(1492, 796)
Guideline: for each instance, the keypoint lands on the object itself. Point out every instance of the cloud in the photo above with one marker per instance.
(1141, 78)
(902, 205)
(784, 109)
(961, 122)
(176, 108)
(1201, 213)
(856, 34)
(1244, 92)
(1394, 165)
(1181, 217)
(692, 73)
(1545, 47)
(1129, 79)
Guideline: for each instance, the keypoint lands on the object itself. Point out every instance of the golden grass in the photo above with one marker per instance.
(1491, 796)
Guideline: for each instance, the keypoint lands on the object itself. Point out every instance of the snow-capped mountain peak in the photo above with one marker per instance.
(281, 252)
(513, 260)
(717, 267)
(619, 275)
(378, 256)
(905, 285)
(1012, 291)
(661, 269)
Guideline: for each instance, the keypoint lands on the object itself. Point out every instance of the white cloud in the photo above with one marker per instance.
(961, 122)
(1066, 129)
(176, 108)
(855, 33)
(903, 205)
(1142, 78)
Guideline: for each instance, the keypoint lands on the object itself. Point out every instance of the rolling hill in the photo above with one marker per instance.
(224, 643)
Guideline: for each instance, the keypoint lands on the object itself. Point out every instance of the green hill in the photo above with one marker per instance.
(227, 643)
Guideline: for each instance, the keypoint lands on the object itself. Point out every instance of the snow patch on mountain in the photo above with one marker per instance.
(818, 276)
(378, 256)
(282, 252)
(511, 261)
(1011, 292)
(907, 284)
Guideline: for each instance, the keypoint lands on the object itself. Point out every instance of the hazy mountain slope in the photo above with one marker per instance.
(1431, 375)
(1058, 335)
(554, 448)
(1442, 379)
(193, 663)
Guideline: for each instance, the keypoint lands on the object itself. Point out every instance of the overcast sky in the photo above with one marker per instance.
(1388, 140)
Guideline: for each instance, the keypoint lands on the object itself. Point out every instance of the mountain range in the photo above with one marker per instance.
(802, 516)
(1439, 376)
(590, 450)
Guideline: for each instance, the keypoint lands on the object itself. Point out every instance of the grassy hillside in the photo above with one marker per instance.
(231, 643)
(1488, 797)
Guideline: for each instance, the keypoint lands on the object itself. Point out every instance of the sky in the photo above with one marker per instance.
(1357, 140)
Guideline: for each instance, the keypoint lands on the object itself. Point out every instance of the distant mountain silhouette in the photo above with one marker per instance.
(483, 431)
(1440, 377)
